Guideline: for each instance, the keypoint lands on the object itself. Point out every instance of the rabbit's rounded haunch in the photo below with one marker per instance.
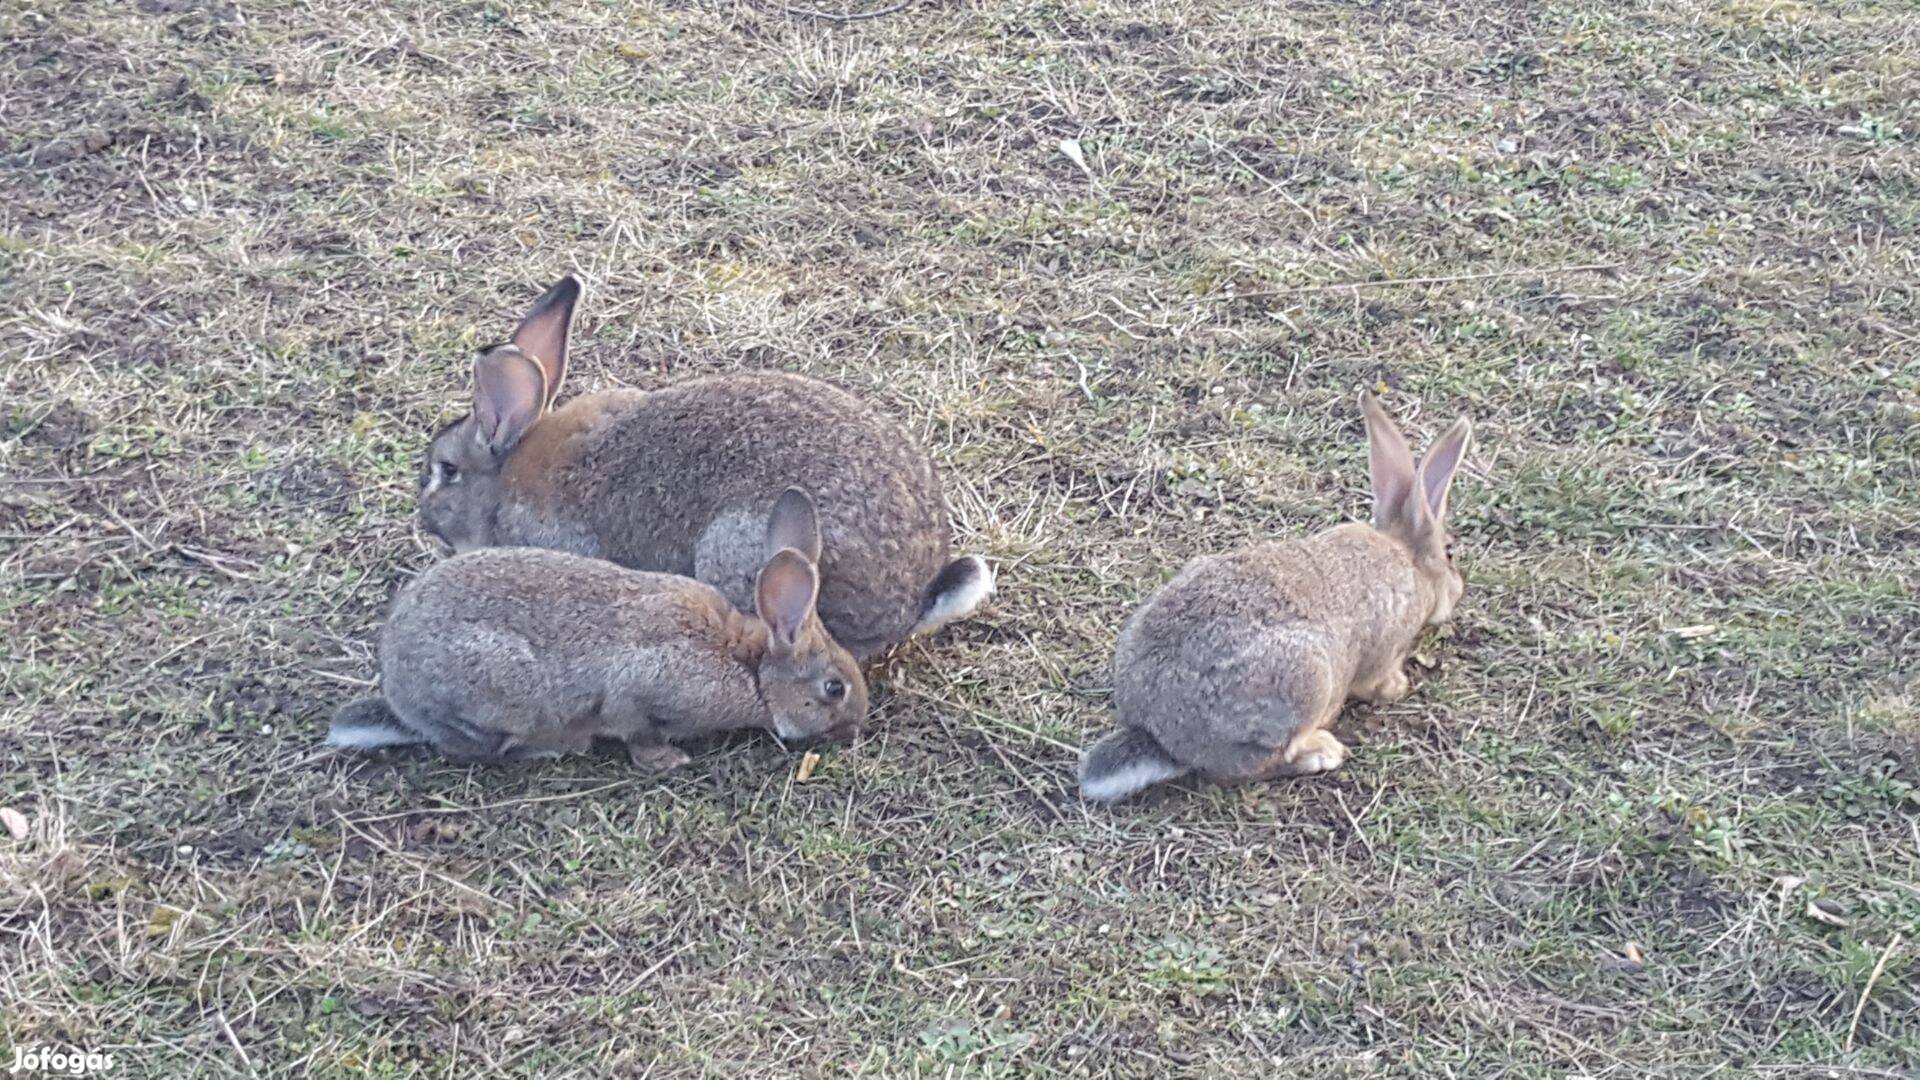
(510, 653)
(678, 481)
(1235, 668)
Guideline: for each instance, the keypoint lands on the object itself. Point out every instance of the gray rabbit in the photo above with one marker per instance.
(511, 653)
(1235, 669)
(678, 481)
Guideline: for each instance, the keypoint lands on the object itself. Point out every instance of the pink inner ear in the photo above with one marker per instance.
(542, 335)
(1442, 462)
(786, 593)
(1390, 464)
(794, 524)
(508, 394)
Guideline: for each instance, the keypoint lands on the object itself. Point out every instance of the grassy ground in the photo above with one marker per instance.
(1652, 811)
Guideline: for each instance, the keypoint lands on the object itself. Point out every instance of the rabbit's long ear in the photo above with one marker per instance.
(793, 524)
(509, 392)
(784, 596)
(1391, 465)
(543, 333)
(1442, 460)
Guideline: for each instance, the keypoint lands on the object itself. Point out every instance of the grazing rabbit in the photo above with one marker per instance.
(511, 653)
(678, 481)
(1236, 667)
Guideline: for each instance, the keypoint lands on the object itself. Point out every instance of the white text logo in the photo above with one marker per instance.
(70, 1061)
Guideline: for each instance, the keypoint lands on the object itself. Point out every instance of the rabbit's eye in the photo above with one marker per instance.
(449, 472)
(834, 689)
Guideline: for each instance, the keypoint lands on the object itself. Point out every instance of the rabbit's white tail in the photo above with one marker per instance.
(956, 592)
(369, 724)
(1125, 762)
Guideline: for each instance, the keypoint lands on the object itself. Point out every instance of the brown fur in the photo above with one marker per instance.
(549, 446)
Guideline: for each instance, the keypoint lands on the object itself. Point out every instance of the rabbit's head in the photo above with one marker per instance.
(514, 385)
(1410, 500)
(811, 685)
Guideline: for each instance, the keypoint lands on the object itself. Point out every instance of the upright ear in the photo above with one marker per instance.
(509, 392)
(1442, 460)
(1391, 465)
(543, 333)
(794, 525)
(784, 597)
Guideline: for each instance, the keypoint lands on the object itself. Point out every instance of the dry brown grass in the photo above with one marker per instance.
(247, 246)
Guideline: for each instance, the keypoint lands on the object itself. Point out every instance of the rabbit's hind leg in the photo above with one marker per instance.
(1310, 748)
(459, 739)
(1389, 686)
(1315, 751)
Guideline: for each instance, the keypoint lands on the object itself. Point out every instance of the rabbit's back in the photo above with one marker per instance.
(1218, 656)
(518, 641)
(648, 474)
(1239, 650)
(571, 601)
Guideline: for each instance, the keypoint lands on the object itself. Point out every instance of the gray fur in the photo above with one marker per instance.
(510, 653)
(1237, 666)
(528, 526)
(728, 553)
(680, 480)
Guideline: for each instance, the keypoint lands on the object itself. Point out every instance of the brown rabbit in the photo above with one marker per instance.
(1236, 668)
(678, 481)
(511, 653)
